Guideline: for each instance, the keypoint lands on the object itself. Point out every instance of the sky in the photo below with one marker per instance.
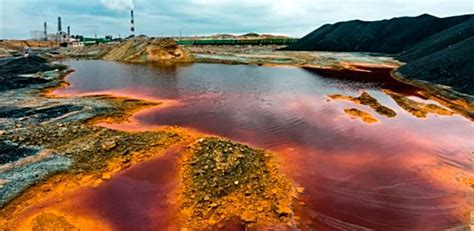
(204, 17)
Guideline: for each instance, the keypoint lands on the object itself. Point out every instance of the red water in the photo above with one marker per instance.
(139, 198)
(398, 174)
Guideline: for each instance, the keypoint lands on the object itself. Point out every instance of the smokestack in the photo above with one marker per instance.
(59, 25)
(68, 31)
(45, 31)
(132, 22)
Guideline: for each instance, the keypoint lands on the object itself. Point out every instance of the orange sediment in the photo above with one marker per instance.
(223, 181)
(362, 115)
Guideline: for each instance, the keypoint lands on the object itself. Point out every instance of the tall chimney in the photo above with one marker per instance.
(59, 25)
(45, 31)
(68, 31)
(132, 22)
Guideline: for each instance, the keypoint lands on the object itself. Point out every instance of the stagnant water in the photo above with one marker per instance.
(400, 173)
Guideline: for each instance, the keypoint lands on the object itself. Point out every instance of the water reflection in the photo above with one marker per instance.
(392, 175)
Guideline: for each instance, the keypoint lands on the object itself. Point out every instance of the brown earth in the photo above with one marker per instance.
(418, 109)
(366, 99)
(20, 44)
(223, 181)
(98, 154)
(135, 50)
(9, 48)
(362, 115)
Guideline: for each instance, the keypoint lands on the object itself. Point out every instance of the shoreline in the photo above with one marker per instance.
(126, 107)
(66, 182)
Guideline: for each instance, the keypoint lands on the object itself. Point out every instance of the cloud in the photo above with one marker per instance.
(203, 17)
(119, 5)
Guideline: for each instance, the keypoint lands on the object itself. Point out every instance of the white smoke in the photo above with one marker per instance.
(118, 4)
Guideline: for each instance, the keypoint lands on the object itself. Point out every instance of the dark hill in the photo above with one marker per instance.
(439, 41)
(453, 66)
(11, 68)
(385, 36)
(438, 50)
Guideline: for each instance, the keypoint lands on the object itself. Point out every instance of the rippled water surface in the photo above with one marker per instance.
(400, 173)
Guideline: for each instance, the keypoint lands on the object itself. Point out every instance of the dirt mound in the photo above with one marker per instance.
(95, 51)
(223, 181)
(140, 49)
(28, 65)
(452, 66)
(439, 41)
(11, 69)
(143, 49)
(20, 44)
(385, 36)
(6, 52)
(438, 50)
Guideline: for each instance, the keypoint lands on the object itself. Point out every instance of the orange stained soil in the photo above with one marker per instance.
(113, 200)
(362, 115)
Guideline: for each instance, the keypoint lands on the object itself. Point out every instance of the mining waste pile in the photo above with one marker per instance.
(437, 50)
(146, 134)
(139, 49)
(16, 73)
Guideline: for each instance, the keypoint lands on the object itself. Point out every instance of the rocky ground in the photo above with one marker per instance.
(224, 181)
(19, 72)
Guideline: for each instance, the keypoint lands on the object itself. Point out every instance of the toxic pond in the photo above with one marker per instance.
(402, 172)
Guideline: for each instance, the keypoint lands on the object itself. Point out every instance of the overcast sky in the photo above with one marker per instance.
(203, 17)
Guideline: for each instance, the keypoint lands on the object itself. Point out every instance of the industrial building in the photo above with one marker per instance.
(65, 38)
